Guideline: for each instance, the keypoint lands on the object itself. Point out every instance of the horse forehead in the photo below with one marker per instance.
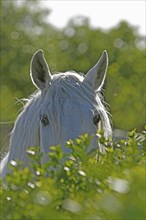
(77, 105)
(66, 94)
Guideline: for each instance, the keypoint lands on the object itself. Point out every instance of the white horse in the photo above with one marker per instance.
(65, 106)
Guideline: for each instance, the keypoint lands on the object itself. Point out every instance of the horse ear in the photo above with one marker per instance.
(96, 75)
(39, 71)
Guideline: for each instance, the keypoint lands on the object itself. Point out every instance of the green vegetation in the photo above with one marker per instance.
(79, 186)
(77, 47)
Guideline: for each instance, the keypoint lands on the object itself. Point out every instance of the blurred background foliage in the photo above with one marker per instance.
(25, 28)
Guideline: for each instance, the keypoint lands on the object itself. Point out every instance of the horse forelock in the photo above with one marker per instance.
(70, 85)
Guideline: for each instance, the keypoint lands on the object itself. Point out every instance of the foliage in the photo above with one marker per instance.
(79, 185)
(78, 47)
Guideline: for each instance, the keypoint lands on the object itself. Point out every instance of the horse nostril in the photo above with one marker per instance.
(44, 120)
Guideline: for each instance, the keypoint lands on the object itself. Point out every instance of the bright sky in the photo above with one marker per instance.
(102, 13)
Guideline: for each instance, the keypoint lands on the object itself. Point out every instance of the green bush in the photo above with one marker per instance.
(79, 185)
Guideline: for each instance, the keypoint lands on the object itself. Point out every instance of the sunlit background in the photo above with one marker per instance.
(102, 14)
(73, 34)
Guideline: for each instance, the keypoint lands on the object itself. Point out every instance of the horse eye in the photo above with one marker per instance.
(96, 119)
(44, 120)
